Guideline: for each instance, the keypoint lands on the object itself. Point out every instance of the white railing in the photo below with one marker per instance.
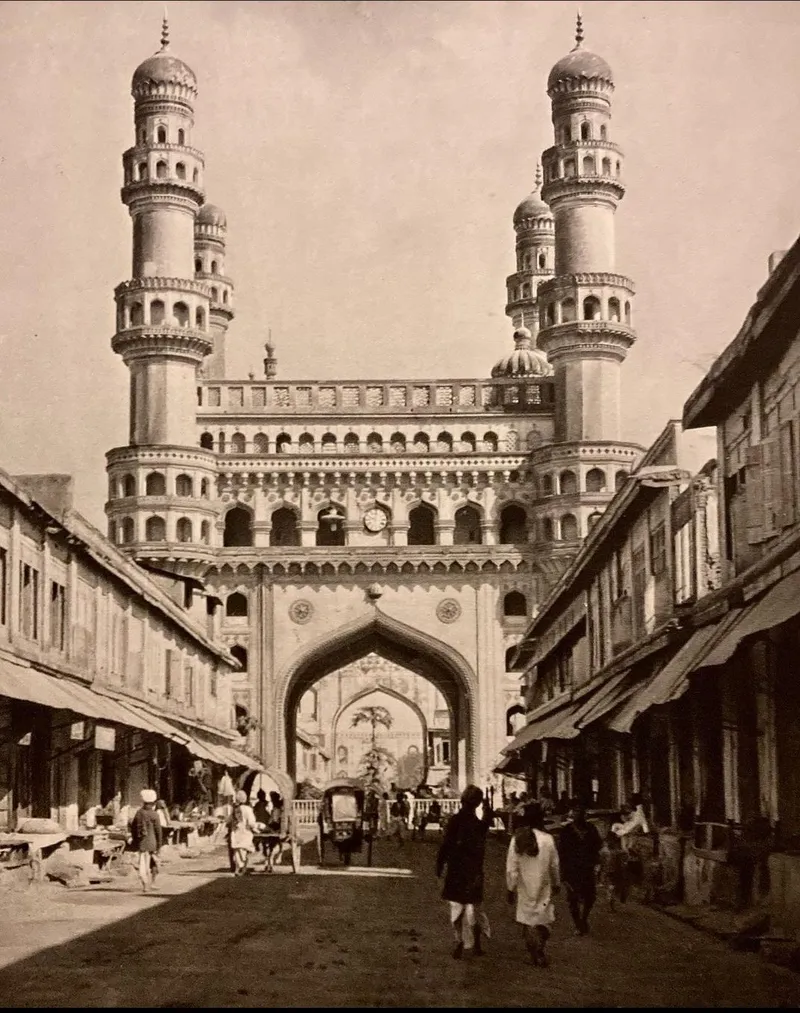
(306, 810)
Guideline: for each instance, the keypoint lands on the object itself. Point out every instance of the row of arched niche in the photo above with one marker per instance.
(328, 443)
(565, 483)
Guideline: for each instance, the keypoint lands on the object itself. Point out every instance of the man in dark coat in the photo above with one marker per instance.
(461, 854)
(146, 838)
(579, 847)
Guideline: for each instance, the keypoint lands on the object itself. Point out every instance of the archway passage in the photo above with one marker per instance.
(375, 646)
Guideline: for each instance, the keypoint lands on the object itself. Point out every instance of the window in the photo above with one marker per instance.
(595, 480)
(330, 526)
(569, 528)
(161, 170)
(214, 268)
(284, 528)
(568, 483)
(398, 443)
(603, 132)
(351, 444)
(547, 485)
(183, 485)
(238, 443)
(181, 136)
(444, 443)
(200, 317)
(240, 653)
(237, 606)
(468, 443)
(591, 308)
(490, 443)
(212, 682)
(162, 135)
(180, 170)
(421, 444)
(155, 530)
(513, 525)
(127, 531)
(260, 444)
(620, 479)
(586, 131)
(155, 484)
(28, 601)
(207, 441)
(374, 443)
(421, 525)
(204, 488)
(658, 550)
(467, 530)
(567, 311)
(205, 532)
(183, 530)
(3, 585)
(515, 604)
(128, 486)
(283, 444)
(58, 615)
(198, 266)
(238, 528)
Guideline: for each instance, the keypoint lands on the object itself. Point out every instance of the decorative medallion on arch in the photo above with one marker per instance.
(301, 611)
(448, 611)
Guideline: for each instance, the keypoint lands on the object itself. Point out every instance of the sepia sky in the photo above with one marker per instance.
(369, 157)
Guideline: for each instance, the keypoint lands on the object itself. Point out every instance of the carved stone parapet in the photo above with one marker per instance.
(564, 284)
(578, 187)
(140, 150)
(163, 455)
(582, 338)
(176, 193)
(171, 284)
(147, 341)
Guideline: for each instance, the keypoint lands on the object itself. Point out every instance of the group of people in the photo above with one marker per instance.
(536, 868)
(267, 819)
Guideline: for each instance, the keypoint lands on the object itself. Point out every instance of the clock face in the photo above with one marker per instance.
(375, 519)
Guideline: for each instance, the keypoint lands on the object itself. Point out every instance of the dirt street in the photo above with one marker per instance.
(348, 938)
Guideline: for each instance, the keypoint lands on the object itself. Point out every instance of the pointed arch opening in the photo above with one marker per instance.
(422, 525)
(238, 529)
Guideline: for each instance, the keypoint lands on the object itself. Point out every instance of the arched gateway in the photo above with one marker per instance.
(413, 649)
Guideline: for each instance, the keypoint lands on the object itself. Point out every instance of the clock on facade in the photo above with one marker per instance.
(375, 519)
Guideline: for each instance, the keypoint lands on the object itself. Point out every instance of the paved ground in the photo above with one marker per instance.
(348, 938)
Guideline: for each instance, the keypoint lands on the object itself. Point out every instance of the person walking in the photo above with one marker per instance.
(532, 874)
(579, 849)
(147, 838)
(398, 819)
(241, 825)
(461, 857)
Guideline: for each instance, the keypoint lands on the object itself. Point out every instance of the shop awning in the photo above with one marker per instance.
(510, 766)
(21, 682)
(780, 603)
(555, 725)
(604, 699)
(672, 681)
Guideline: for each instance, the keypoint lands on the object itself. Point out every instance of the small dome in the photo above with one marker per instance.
(532, 207)
(579, 65)
(163, 69)
(210, 214)
(525, 360)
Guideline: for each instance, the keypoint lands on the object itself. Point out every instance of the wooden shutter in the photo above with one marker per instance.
(788, 443)
(755, 497)
(771, 465)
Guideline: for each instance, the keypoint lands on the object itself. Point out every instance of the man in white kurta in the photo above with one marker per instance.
(532, 872)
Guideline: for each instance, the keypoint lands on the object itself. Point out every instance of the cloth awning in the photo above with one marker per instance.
(671, 681)
(606, 698)
(22, 682)
(555, 725)
(779, 603)
(510, 766)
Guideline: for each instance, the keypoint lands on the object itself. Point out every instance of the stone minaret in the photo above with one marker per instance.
(210, 229)
(533, 225)
(160, 484)
(585, 310)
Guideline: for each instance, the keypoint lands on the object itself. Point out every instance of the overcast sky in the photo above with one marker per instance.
(369, 157)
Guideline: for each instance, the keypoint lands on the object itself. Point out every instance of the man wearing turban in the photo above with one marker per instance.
(146, 838)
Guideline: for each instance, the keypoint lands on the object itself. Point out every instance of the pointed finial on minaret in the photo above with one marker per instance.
(538, 184)
(165, 31)
(579, 30)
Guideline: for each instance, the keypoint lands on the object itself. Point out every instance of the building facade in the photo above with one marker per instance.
(422, 521)
(108, 683)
